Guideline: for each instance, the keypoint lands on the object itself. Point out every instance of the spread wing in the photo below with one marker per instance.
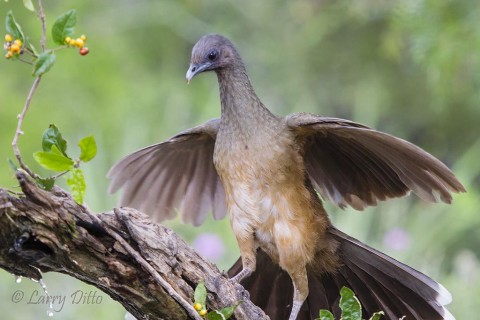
(177, 175)
(351, 164)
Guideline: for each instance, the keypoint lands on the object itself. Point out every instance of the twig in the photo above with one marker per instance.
(25, 61)
(18, 132)
(21, 116)
(58, 175)
(30, 52)
(41, 15)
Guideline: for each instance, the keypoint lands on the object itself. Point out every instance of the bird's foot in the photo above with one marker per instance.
(297, 305)
(242, 274)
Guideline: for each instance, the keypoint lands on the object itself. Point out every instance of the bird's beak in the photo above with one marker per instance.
(195, 69)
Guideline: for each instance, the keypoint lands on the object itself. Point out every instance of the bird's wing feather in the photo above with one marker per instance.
(175, 175)
(351, 164)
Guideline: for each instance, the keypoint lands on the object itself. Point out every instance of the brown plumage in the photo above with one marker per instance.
(264, 171)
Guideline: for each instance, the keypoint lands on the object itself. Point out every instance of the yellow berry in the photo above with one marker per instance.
(83, 37)
(197, 306)
(18, 42)
(79, 43)
(68, 40)
(202, 312)
(9, 54)
(8, 38)
(15, 48)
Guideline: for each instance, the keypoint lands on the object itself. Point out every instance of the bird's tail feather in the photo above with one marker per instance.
(380, 283)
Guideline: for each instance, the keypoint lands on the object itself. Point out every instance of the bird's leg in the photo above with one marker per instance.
(246, 243)
(300, 291)
(293, 261)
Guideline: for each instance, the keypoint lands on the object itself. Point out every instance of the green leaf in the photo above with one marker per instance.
(53, 137)
(377, 315)
(29, 5)
(45, 183)
(215, 315)
(88, 148)
(57, 152)
(77, 185)
(351, 308)
(325, 315)
(200, 295)
(44, 62)
(222, 314)
(12, 164)
(53, 160)
(63, 26)
(12, 27)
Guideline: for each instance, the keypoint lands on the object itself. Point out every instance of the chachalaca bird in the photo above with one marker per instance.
(265, 171)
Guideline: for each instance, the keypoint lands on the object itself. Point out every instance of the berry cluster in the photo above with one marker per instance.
(201, 309)
(13, 47)
(79, 43)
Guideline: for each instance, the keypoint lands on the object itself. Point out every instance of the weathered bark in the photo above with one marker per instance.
(145, 266)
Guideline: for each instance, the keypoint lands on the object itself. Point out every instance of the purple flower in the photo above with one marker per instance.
(210, 246)
(396, 239)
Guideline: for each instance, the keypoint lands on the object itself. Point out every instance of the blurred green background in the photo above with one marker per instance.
(407, 67)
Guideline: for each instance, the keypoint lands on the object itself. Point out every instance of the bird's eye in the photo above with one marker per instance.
(212, 55)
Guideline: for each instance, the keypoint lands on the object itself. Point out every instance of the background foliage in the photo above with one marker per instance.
(407, 67)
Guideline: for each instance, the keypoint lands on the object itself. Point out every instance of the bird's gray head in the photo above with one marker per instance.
(212, 52)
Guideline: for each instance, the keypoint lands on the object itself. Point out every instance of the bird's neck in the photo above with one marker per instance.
(240, 104)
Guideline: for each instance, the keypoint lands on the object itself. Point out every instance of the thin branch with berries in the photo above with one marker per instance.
(54, 156)
(15, 49)
(16, 44)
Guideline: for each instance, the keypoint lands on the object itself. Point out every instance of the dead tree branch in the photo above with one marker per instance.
(149, 269)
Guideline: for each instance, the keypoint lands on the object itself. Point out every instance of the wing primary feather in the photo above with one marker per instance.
(351, 164)
(187, 176)
(191, 205)
(176, 174)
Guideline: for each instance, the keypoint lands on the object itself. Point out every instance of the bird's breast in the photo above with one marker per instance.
(259, 161)
(264, 180)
